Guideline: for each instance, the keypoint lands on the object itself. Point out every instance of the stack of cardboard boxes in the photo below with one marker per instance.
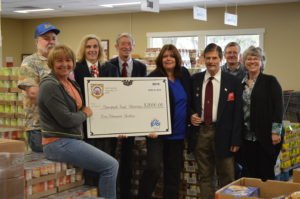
(31, 176)
(11, 169)
(189, 187)
(44, 177)
(189, 177)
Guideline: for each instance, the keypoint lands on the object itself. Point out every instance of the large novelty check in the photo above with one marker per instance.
(129, 106)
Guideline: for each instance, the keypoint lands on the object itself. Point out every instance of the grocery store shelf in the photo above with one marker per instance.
(9, 129)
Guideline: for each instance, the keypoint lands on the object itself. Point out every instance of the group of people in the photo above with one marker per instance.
(230, 114)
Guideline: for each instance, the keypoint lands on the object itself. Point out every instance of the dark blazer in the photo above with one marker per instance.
(185, 80)
(266, 108)
(229, 114)
(82, 70)
(139, 69)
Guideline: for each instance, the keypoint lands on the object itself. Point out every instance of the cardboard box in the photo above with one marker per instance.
(4, 77)
(12, 188)
(8, 159)
(12, 146)
(15, 90)
(296, 175)
(11, 172)
(41, 179)
(69, 186)
(42, 194)
(268, 189)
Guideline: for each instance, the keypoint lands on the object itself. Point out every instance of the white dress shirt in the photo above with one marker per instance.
(216, 82)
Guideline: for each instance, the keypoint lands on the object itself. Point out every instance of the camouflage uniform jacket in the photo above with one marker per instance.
(33, 69)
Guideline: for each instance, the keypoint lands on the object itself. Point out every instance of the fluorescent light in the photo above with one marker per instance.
(120, 4)
(33, 10)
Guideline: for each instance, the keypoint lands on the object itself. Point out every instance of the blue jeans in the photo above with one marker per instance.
(86, 156)
(35, 140)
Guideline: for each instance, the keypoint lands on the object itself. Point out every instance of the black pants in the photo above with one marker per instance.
(168, 152)
(125, 169)
(257, 162)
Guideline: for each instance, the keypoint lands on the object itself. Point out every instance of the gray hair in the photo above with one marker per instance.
(125, 34)
(257, 52)
(230, 44)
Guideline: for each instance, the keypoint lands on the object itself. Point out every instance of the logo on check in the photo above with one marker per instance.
(155, 124)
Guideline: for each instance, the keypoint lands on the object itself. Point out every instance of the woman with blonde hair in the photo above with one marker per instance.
(92, 62)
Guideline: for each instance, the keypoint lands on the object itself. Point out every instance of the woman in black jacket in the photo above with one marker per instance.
(263, 111)
(168, 149)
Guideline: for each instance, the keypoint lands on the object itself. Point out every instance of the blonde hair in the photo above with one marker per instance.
(58, 52)
(81, 52)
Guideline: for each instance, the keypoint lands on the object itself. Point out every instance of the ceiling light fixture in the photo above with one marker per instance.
(120, 4)
(33, 10)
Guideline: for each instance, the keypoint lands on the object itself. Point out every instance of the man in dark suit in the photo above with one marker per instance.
(128, 67)
(125, 45)
(217, 117)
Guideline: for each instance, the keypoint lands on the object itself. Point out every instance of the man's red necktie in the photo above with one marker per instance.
(208, 102)
(124, 69)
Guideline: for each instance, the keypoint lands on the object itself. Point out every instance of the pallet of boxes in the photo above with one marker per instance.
(44, 177)
(140, 153)
(11, 169)
(189, 188)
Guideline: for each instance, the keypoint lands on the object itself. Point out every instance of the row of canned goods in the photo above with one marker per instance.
(11, 108)
(11, 122)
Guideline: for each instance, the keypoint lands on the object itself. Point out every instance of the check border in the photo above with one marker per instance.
(127, 82)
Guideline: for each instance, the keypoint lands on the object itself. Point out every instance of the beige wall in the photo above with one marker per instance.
(281, 41)
(12, 39)
(0, 37)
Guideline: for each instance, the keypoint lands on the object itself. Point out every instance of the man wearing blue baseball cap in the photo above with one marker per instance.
(33, 69)
(44, 28)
